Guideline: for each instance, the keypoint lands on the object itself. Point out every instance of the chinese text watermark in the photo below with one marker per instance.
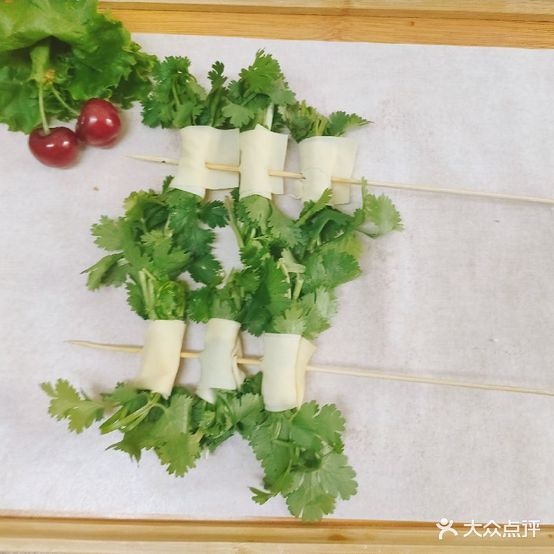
(527, 528)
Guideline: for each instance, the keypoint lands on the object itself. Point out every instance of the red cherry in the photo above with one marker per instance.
(98, 123)
(57, 148)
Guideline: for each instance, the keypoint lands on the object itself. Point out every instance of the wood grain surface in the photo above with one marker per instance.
(286, 536)
(525, 24)
(540, 10)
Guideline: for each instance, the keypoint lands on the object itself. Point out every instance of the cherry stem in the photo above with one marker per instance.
(45, 127)
(63, 102)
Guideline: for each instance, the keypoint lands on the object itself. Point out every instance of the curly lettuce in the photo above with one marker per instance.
(64, 52)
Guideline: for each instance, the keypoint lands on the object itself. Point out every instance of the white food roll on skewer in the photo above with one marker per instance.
(322, 158)
(284, 365)
(201, 144)
(262, 150)
(218, 361)
(161, 355)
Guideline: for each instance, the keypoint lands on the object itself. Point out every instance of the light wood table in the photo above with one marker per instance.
(520, 23)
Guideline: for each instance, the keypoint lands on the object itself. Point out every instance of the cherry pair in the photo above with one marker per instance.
(98, 124)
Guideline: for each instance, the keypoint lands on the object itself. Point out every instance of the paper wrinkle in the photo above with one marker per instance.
(201, 144)
(218, 361)
(284, 365)
(322, 158)
(161, 355)
(262, 150)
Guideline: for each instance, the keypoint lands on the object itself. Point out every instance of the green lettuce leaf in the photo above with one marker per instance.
(83, 55)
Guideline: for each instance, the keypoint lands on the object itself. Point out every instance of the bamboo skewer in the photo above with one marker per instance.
(377, 184)
(336, 370)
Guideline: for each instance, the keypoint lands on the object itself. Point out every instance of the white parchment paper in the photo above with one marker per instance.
(465, 292)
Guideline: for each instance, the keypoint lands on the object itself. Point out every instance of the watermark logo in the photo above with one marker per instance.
(446, 526)
(527, 528)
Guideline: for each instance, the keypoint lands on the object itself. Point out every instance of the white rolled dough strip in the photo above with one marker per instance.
(322, 158)
(201, 144)
(218, 361)
(284, 365)
(161, 355)
(262, 150)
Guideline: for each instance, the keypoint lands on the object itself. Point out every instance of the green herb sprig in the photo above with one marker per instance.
(162, 235)
(300, 450)
(300, 262)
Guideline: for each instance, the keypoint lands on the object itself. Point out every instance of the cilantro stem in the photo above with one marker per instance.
(268, 121)
(175, 95)
(320, 126)
(297, 287)
(283, 267)
(233, 221)
(131, 420)
(147, 288)
(213, 106)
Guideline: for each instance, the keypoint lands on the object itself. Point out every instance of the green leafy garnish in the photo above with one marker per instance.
(259, 95)
(80, 411)
(298, 263)
(162, 235)
(304, 121)
(63, 53)
(300, 450)
(177, 100)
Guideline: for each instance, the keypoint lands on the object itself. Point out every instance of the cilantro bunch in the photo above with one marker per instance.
(304, 121)
(301, 451)
(299, 263)
(160, 236)
(229, 300)
(259, 96)
(177, 100)
(291, 269)
(55, 54)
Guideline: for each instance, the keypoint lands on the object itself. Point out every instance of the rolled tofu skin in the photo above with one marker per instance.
(322, 158)
(284, 364)
(261, 150)
(201, 144)
(161, 356)
(218, 361)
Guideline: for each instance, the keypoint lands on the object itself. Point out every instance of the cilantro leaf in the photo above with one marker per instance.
(314, 492)
(340, 122)
(301, 454)
(305, 121)
(213, 214)
(67, 403)
(108, 271)
(176, 446)
(330, 269)
(108, 234)
(217, 98)
(380, 212)
(238, 116)
(257, 96)
(292, 320)
(179, 453)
